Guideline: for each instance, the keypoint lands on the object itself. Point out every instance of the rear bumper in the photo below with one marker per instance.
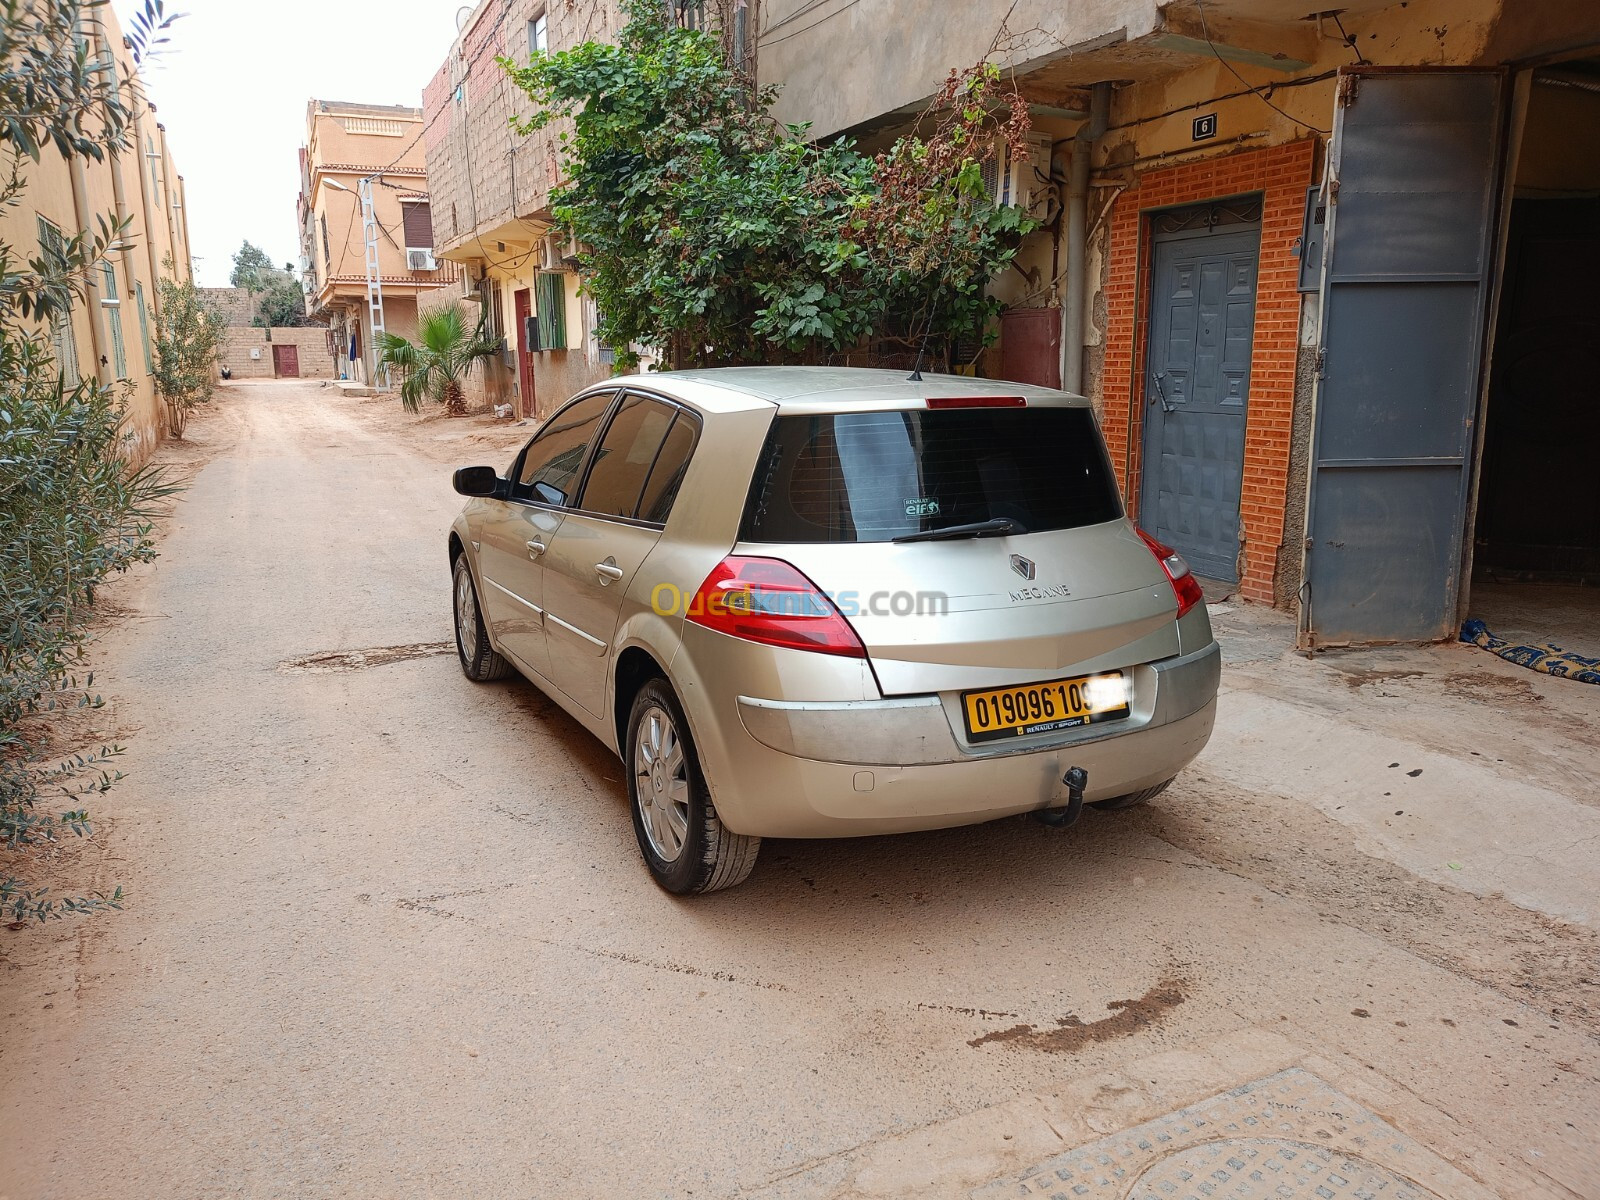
(843, 769)
(920, 730)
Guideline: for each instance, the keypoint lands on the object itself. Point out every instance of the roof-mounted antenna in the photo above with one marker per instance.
(916, 369)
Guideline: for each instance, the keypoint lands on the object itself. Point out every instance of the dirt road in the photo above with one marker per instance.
(388, 935)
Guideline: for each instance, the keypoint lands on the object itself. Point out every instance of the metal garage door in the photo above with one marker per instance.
(1414, 175)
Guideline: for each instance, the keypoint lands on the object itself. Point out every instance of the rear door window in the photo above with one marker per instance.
(876, 476)
(666, 476)
(627, 452)
(549, 467)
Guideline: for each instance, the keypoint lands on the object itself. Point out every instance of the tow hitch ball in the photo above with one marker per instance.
(1076, 780)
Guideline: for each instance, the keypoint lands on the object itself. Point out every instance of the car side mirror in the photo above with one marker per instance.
(476, 481)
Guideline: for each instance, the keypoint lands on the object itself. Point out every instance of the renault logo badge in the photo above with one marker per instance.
(1022, 566)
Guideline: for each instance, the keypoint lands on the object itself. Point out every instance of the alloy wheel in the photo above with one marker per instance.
(466, 613)
(661, 783)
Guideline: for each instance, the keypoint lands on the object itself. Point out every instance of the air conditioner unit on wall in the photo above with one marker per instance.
(550, 252)
(420, 260)
(1022, 179)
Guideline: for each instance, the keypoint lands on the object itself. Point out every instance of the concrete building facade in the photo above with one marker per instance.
(109, 334)
(1297, 261)
(345, 144)
(491, 189)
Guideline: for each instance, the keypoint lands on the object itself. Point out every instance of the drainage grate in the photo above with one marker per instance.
(1287, 1137)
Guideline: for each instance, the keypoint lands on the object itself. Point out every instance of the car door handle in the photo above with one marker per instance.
(535, 548)
(608, 570)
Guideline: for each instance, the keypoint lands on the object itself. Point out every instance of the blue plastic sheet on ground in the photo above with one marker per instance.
(1546, 657)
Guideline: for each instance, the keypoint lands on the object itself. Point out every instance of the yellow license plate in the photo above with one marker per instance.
(1041, 707)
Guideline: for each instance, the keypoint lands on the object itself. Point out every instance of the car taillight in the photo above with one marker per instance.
(768, 601)
(1184, 584)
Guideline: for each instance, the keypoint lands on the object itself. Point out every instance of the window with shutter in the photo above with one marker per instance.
(111, 302)
(327, 253)
(144, 328)
(417, 217)
(550, 295)
(62, 338)
(490, 311)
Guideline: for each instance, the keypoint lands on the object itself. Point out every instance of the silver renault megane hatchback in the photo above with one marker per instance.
(823, 602)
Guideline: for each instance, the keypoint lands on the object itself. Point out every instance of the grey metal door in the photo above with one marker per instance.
(1414, 175)
(1197, 388)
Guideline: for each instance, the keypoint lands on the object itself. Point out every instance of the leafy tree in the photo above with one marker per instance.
(435, 365)
(253, 271)
(250, 264)
(718, 235)
(54, 90)
(187, 335)
(71, 513)
(283, 302)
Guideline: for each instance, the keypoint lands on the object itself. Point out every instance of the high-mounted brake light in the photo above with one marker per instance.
(1184, 585)
(767, 600)
(975, 402)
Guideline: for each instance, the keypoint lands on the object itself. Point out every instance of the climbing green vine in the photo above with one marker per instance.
(716, 234)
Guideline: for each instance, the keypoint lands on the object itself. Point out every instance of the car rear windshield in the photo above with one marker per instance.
(876, 476)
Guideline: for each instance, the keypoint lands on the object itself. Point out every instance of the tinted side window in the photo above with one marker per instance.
(550, 463)
(667, 475)
(622, 463)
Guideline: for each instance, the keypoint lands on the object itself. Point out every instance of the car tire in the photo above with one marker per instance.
(1117, 803)
(479, 661)
(684, 843)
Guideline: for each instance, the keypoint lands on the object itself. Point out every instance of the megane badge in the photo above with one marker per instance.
(1022, 566)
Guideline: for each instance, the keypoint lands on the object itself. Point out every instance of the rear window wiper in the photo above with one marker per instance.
(993, 527)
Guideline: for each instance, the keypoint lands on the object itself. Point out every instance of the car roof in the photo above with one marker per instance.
(825, 389)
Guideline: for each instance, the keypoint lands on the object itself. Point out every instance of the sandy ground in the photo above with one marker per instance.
(387, 933)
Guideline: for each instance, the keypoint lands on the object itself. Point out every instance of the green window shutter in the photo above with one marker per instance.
(119, 353)
(63, 340)
(552, 302)
(144, 328)
(541, 302)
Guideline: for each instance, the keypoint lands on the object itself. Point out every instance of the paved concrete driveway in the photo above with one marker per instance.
(388, 934)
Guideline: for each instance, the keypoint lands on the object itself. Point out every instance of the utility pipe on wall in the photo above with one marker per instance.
(1077, 209)
(80, 210)
(147, 206)
(167, 191)
(183, 223)
(119, 197)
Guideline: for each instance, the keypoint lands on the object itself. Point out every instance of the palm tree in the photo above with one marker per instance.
(436, 364)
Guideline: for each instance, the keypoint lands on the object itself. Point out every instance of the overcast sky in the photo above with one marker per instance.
(232, 85)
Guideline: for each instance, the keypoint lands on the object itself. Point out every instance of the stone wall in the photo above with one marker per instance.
(311, 341)
(233, 303)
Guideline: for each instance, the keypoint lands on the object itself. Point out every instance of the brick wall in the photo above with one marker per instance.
(311, 341)
(1280, 174)
(482, 174)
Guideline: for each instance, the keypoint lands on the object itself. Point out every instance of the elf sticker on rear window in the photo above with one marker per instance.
(922, 506)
